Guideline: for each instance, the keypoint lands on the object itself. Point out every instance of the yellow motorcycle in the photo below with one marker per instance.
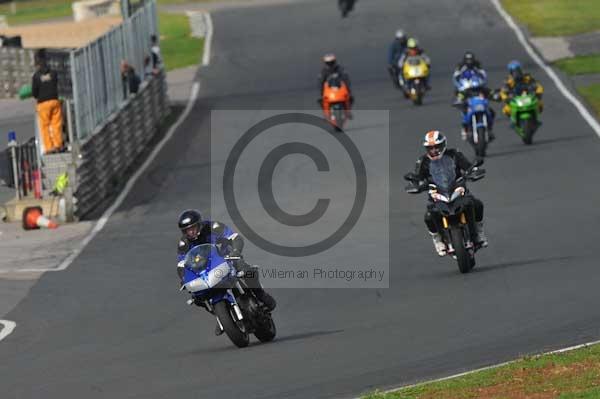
(415, 71)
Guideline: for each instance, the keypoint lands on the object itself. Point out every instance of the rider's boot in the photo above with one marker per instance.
(438, 243)
(251, 276)
(480, 236)
(265, 298)
(463, 133)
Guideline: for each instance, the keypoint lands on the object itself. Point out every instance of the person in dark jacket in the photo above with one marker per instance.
(395, 51)
(131, 81)
(468, 63)
(439, 161)
(196, 231)
(412, 50)
(44, 88)
(331, 66)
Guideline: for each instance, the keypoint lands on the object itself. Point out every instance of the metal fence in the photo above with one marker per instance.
(97, 81)
(107, 156)
(28, 173)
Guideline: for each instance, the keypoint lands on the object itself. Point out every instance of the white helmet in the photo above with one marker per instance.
(400, 34)
(435, 143)
(329, 58)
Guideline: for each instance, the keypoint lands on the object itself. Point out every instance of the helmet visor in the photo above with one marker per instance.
(191, 232)
(435, 150)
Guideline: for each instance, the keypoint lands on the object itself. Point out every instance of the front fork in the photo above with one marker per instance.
(463, 220)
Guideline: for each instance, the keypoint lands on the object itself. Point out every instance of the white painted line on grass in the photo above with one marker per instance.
(589, 118)
(207, 39)
(130, 183)
(8, 327)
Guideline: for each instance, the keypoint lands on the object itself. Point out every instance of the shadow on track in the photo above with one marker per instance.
(487, 268)
(519, 263)
(229, 347)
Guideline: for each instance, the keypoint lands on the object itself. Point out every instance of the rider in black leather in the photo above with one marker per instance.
(197, 231)
(438, 155)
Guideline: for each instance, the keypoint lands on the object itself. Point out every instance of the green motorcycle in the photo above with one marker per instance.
(524, 115)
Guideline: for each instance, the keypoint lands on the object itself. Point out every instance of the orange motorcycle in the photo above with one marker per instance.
(336, 101)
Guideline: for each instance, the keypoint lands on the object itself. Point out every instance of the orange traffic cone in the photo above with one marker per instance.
(33, 218)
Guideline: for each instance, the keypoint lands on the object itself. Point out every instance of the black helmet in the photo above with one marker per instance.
(469, 59)
(189, 223)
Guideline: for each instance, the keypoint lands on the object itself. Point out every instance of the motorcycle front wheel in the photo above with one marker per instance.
(528, 126)
(237, 335)
(462, 255)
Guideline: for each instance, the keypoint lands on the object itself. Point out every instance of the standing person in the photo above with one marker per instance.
(157, 63)
(131, 80)
(44, 88)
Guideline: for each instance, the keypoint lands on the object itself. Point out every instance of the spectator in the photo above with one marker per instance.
(134, 80)
(131, 80)
(44, 88)
(124, 67)
(147, 68)
(157, 63)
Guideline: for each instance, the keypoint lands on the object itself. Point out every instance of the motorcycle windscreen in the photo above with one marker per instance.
(443, 173)
(198, 257)
(335, 80)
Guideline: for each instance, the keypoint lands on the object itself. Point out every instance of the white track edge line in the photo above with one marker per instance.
(9, 326)
(589, 118)
(208, 39)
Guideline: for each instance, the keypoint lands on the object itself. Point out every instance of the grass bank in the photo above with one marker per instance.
(580, 65)
(177, 46)
(556, 17)
(591, 94)
(569, 375)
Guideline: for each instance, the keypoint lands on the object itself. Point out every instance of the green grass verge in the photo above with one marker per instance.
(580, 65)
(570, 375)
(36, 10)
(177, 47)
(592, 95)
(31, 11)
(556, 17)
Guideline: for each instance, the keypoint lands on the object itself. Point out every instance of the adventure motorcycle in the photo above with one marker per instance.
(414, 74)
(335, 101)
(215, 284)
(452, 203)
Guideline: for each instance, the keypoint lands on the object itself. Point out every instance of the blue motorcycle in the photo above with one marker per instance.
(477, 122)
(477, 116)
(214, 283)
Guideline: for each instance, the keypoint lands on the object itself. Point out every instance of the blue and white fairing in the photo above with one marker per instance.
(470, 80)
(206, 269)
(477, 105)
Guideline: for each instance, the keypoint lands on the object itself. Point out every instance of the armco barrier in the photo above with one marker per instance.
(107, 155)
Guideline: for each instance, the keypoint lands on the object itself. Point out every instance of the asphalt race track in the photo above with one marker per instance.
(115, 325)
